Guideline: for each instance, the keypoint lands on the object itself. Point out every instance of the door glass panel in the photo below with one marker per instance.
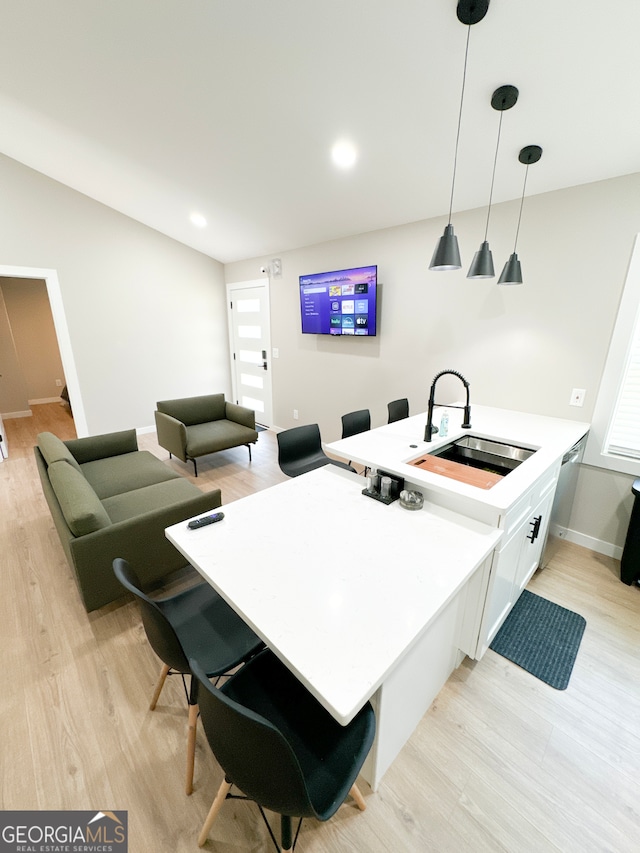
(250, 356)
(249, 332)
(252, 403)
(248, 306)
(252, 381)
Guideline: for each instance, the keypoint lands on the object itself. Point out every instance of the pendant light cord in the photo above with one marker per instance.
(455, 157)
(493, 176)
(521, 206)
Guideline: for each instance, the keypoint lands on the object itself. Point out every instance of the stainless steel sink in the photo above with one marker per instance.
(483, 453)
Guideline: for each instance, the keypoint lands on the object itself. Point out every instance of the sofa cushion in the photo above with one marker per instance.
(148, 499)
(125, 473)
(55, 450)
(194, 410)
(103, 445)
(217, 435)
(80, 506)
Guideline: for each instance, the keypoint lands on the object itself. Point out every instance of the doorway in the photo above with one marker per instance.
(54, 294)
(250, 342)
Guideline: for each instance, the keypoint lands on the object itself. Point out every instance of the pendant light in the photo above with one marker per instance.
(512, 272)
(447, 254)
(502, 99)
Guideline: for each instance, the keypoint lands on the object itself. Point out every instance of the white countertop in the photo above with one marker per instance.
(338, 585)
(392, 446)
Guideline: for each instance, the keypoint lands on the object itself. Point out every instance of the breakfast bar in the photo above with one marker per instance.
(362, 601)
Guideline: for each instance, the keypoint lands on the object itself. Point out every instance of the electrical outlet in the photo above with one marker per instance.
(577, 397)
(276, 267)
(295, 414)
(275, 352)
(59, 383)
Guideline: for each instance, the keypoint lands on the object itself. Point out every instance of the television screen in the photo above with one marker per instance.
(342, 302)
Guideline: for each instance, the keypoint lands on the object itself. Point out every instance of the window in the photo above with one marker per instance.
(614, 439)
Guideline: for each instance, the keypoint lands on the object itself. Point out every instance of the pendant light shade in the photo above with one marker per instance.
(482, 263)
(447, 253)
(512, 272)
(502, 99)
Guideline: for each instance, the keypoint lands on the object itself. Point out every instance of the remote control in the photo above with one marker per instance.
(207, 519)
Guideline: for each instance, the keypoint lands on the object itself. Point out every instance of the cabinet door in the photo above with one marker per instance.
(532, 544)
(501, 589)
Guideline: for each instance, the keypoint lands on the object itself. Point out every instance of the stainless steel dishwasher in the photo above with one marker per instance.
(563, 500)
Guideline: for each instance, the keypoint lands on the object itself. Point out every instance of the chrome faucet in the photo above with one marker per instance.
(466, 423)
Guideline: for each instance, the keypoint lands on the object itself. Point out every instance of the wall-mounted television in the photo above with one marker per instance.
(341, 302)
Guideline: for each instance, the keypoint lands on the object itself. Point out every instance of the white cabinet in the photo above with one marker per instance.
(525, 526)
(500, 592)
(532, 544)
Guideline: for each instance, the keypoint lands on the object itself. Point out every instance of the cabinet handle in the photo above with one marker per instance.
(535, 528)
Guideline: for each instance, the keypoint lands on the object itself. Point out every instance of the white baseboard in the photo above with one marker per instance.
(8, 415)
(45, 400)
(145, 430)
(590, 542)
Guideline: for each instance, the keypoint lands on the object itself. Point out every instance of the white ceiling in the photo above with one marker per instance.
(159, 108)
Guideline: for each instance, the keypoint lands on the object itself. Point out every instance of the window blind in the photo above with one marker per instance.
(624, 430)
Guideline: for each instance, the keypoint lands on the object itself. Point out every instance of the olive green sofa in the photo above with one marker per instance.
(108, 499)
(196, 426)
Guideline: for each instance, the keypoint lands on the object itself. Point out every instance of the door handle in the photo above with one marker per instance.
(535, 528)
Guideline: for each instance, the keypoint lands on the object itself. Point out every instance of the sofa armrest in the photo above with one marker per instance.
(172, 435)
(240, 415)
(102, 446)
(141, 541)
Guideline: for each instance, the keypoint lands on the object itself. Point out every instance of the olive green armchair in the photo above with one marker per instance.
(196, 426)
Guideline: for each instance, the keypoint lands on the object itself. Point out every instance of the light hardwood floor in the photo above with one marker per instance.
(501, 762)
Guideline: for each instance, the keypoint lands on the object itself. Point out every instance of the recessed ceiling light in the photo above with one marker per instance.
(344, 154)
(198, 220)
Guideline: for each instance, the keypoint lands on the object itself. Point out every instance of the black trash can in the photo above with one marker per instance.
(630, 563)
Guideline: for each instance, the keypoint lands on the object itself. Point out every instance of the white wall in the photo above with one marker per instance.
(521, 347)
(146, 315)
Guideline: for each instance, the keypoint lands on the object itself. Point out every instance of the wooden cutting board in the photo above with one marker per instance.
(456, 471)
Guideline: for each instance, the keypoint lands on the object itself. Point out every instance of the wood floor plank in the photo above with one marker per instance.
(500, 762)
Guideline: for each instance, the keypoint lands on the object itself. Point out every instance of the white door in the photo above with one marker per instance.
(249, 335)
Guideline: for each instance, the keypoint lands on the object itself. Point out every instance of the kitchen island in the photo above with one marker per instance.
(360, 600)
(368, 601)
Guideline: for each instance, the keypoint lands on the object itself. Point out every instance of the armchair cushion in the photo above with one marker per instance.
(214, 436)
(195, 410)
